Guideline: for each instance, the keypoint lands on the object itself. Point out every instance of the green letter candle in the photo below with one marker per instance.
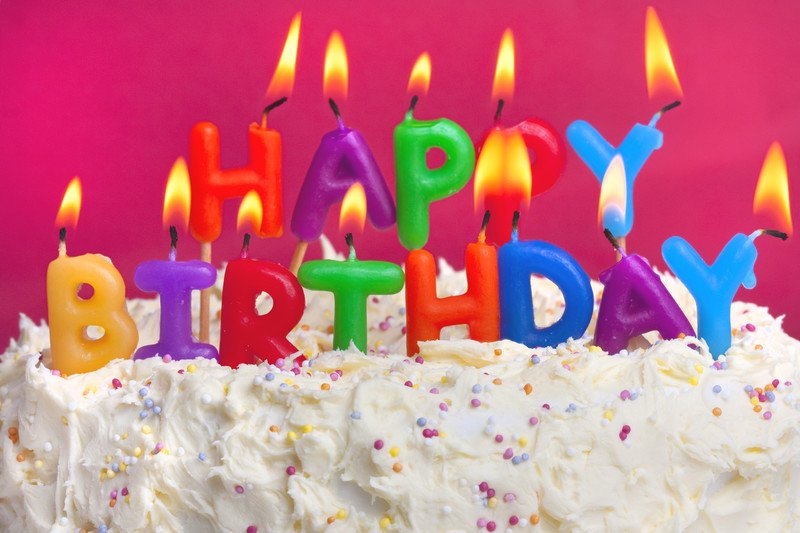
(417, 184)
(351, 281)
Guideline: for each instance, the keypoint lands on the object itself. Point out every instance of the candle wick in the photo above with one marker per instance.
(245, 245)
(349, 240)
(515, 226)
(270, 107)
(771, 232)
(500, 104)
(62, 242)
(335, 109)
(484, 224)
(173, 243)
(614, 242)
(660, 112)
(413, 104)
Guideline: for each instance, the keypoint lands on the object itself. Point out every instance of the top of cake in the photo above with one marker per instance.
(467, 436)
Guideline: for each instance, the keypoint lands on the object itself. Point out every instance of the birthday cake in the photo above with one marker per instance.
(466, 436)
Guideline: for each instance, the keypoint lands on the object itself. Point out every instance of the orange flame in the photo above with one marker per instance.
(420, 79)
(70, 208)
(662, 80)
(772, 191)
(334, 83)
(251, 212)
(282, 81)
(177, 196)
(503, 168)
(353, 212)
(503, 86)
(611, 208)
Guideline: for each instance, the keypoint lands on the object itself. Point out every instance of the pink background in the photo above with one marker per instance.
(110, 95)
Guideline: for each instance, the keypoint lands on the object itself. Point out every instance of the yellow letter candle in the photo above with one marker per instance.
(85, 332)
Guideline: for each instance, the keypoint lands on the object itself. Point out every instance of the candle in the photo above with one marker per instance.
(418, 185)
(351, 281)
(478, 307)
(642, 140)
(211, 185)
(505, 178)
(517, 261)
(342, 158)
(634, 302)
(714, 286)
(175, 280)
(246, 335)
(75, 320)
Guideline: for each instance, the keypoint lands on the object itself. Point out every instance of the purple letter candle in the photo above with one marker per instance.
(174, 281)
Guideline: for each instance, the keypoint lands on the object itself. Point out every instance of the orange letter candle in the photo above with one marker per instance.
(70, 316)
(478, 308)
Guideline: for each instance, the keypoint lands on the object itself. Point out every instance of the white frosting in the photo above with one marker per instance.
(680, 467)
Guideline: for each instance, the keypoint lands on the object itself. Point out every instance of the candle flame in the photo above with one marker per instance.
(177, 196)
(353, 212)
(611, 209)
(70, 208)
(334, 83)
(503, 168)
(251, 212)
(503, 86)
(772, 191)
(662, 80)
(420, 79)
(282, 81)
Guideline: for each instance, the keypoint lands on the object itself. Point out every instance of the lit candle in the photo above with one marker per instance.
(351, 281)
(517, 261)
(342, 158)
(246, 335)
(175, 280)
(418, 185)
(211, 185)
(478, 307)
(642, 140)
(714, 286)
(500, 187)
(75, 321)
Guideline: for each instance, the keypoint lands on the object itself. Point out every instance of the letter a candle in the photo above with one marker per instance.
(342, 158)
(74, 320)
(418, 185)
(351, 281)
(211, 185)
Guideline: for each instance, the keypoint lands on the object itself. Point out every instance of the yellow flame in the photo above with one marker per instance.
(772, 191)
(503, 168)
(503, 86)
(177, 196)
(613, 194)
(335, 78)
(282, 81)
(251, 212)
(353, 212)
(70, 209)
(662, 80)
(420, 79)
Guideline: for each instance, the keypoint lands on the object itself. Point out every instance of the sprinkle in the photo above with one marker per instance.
(116, 383)
(498, 438)
(191, 368)
(239, 489)
(143, 414)
(491, 502)
(476, 389)
(626, 429)
(102, 528)
(394, 451)
(167, 358)
(378, 444)
(757, 408)
(533, 420)
(146, 429)
(397, 467)
(446, 509)
(749, 327)
(546, 406)
(156, 410)
(48, 446)
(513, 520)
(516, 460)
(523, 441)
(290, 470)
(716, 411)
(385, 522)
(341, 514)
(355, 415)
(508, 454)
(535, 360)
(490, 526)
(475, 402)
(422, 421)
(572, 452)
(525, 456)
(408, 384)
(137, 452)
(534, 519)
(291, 436)
(767, 415)
(143, 392)
(201, 456)
(148, 403)
(308, 428)
(270, 376)
(623, 435)
(717, 389)
(443, 406)
(509, 497)
(159, 446)
(625, 394)
(481, 523)
(527, 388)
(693, 381)
(252, 529)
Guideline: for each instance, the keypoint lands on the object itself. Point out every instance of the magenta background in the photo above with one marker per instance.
(111, 93)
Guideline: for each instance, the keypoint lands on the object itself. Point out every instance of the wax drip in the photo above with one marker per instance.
(654, 120)
(614, 242)
(482, 233)
(349, 240)
(270, 107)
(173, 243)
(497, 114)
(62, 242)
(245, 246)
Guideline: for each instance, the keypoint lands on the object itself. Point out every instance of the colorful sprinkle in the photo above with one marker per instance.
(716, 411)
(290, 470)
(116, 383)
(378, 444)
(475, 402)
(239, 489)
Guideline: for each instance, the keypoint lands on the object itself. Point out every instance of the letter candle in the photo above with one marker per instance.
(211, 185)
(478, 308)
(342, 158)
(74, 319)
(418, 185)
(502, 185)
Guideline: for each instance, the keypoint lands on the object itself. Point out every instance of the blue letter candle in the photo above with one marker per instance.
(517, 261)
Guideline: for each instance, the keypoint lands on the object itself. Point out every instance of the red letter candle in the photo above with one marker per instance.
(245, 336)
(478, 308)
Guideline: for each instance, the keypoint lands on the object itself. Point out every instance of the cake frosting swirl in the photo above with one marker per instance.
(467, 436)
